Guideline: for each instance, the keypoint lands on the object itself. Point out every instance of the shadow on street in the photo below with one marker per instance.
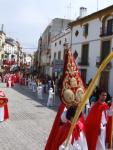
(33, 96)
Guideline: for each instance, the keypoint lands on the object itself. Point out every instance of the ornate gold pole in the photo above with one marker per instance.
(88, 94)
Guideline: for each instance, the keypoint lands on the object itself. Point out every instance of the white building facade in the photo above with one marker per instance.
(2, 43)
(57, 52)
(56, 26)
(92, 38)
(11, 49)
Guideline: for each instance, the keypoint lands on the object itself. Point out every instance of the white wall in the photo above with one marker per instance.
(94, 41)
(94, 52)
(59, 47)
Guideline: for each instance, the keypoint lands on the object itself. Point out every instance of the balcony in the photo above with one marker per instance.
(99, 61)
(105, 32)
(8, 62)
(7, 53)
(83, 62)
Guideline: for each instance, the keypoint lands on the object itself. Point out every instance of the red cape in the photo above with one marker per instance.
(61, 136)
(62, 133)
(6, 113)
(55, 137)
(92, 124)
(54, 129)
(78, 127)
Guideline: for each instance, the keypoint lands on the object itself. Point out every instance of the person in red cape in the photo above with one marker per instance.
(17, 77)
(3, 107)
(57, 120)
(77, 139)
(55, 128)
(95, 124)
(12, 80)
(72, 89)
(64, 127)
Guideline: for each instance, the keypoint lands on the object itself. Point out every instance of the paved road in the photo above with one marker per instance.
(30, 120)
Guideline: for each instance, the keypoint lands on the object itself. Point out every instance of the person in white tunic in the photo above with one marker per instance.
(102, 137)
(50, 97)
(96, 122)
(77, 140)
(29, 82)
(80, 144)
(9, 81)
(3, 107)
(1, 113)
(40, 91)
(34, 86)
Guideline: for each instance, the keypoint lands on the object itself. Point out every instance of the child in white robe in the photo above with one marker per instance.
(50, 97)
(40, 91)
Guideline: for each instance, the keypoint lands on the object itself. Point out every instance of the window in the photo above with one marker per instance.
(2, 56)
(105, 50)
(85, 53)
(59, 55)
(60, 42)
(55, 44)
(83, 75)
(65, 40)
(55, 55)
(76, 33)
(85, 29)
(110, 27)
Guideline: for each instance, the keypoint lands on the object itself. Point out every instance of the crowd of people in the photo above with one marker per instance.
(10, 79)
(93, 130)
(37, 85)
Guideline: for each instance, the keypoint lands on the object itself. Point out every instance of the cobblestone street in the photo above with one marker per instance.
(29, 121)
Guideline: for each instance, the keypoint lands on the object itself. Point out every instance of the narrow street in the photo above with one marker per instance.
(29, 121)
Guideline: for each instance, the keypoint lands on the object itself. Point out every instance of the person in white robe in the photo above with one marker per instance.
(50, 97)
(29, 82)
(3, 107)
(102, 137)
(40, 91)
(34, 86)
(9, 81)
(79, 143)
(2, 113)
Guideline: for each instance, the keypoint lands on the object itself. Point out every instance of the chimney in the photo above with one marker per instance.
(2, 27)
(83, 12)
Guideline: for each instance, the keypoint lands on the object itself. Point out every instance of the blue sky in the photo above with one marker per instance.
(25, 20)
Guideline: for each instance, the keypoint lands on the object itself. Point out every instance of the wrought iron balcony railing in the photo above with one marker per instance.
(83, 62)
(104, 31)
